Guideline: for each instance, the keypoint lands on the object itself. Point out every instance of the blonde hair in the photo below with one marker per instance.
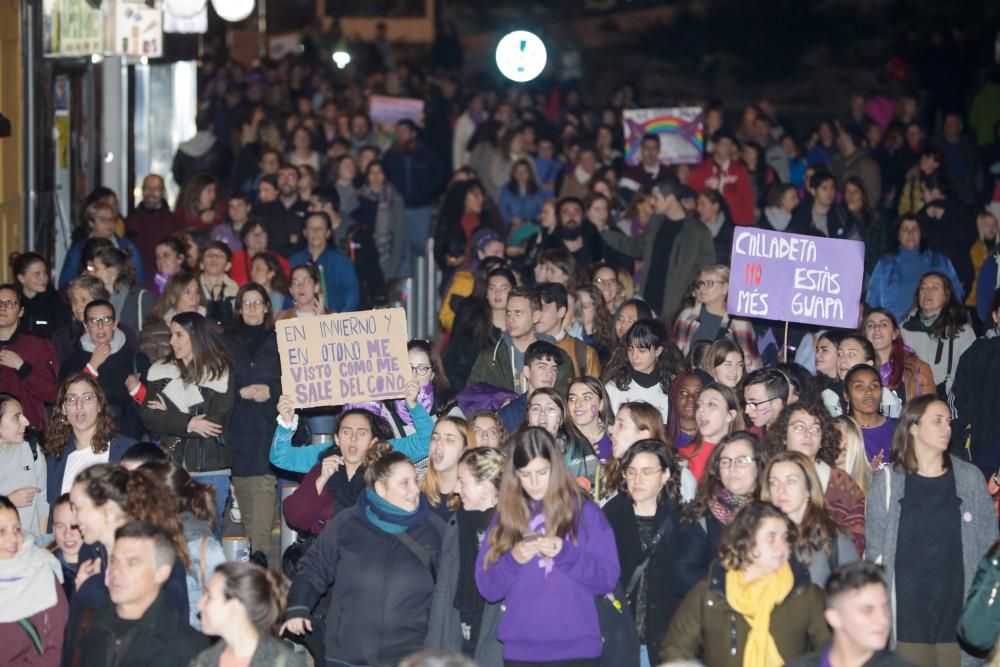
(485, 463)
(627, 284)
(855, 458)
(720, 271)
(431, 486)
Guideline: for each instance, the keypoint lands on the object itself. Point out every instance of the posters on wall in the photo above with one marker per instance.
(680, 130)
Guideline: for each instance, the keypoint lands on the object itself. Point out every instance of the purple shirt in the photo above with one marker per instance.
(603, 447)
(878, 442)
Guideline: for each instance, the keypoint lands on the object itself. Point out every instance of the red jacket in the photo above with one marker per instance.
(307, 510)
(36, 382)
(241, 264)
(733, 183)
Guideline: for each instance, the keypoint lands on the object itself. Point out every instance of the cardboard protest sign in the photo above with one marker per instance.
(680, 130)
(781, 276)
(344, 357)
(391, 110)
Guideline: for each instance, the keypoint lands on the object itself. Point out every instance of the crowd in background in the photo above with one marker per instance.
(594, 463)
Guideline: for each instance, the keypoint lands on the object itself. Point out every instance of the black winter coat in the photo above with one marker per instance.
(695, 547)
(662, 598)
(381, 593)
(161, 638)
(952, 235)
(251, 426)
(111, 377)
(44, 313)
(190, 450)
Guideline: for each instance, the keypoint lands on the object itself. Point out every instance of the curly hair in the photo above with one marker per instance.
(817, 531)
(603, 329)
(711, 481)
(140, 495)
(647, 334)
(739, 538)
(667, 457)
(829, 447)
(59, 432)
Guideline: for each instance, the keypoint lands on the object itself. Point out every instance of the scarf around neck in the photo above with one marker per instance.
(755, 600)
(346, 491)
(27, 584)
(472, 526)
(117, 342)
(387, 517)
(425, 398)
(724, 505)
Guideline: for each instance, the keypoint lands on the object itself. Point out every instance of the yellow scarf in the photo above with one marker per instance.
(754, 600)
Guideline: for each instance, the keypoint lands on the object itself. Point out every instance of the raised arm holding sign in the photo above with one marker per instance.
(344, 357)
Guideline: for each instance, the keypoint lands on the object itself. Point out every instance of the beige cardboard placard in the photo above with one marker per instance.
(344, 357)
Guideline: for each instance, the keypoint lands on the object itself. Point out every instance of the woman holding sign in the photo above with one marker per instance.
(709, 320)
(301, 459)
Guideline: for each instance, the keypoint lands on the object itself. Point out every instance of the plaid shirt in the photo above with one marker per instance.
(737, 329)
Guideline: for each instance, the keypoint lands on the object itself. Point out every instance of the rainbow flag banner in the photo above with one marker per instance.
(682, 139)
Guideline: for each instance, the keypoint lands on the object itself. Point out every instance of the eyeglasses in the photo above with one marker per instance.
(802, 427)
(252, 305)
(86, 399)
(488, 433)
(605, 281)
(9, 304)
(551, 411)
(632, 474)
(755, 405)
(739, 462)
(707, 283)
(102, 321)
(420, 370)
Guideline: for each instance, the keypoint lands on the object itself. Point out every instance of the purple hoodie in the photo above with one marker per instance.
(551, 613)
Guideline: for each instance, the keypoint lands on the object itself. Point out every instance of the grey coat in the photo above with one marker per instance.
(444, 625)
(979, 525)
(692, 251)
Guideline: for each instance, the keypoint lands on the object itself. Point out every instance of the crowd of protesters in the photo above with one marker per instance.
(593, 464)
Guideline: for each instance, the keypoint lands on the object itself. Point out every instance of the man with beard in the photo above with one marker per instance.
(151, 221)
(284, 216)
(575, 235)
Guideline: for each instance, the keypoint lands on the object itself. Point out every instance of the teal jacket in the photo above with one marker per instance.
(302, 459)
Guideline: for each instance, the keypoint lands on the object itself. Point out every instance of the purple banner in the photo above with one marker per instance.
(796, 278)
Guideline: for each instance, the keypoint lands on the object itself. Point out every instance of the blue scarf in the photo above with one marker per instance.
(387, 517)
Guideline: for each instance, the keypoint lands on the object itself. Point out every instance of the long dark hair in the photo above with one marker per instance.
(904, 459)
(561, 505)
(648, 334)
(210, 359)
(193, 497)
(953, 316)
(711, 482)
(476, 321)
(444, 395)
(116, 258)
(453, 208)
(898, 353)
(512, 184)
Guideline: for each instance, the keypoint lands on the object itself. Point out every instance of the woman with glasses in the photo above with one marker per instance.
(82, 433)
(709, 320)
(256, 381)
(103, 353)
(604, 277)
(547, 410)
(808, 428)
(436, 394)
(644, 519)
(731, 480)
(488, 429)
(306, 292)
(793, 485)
